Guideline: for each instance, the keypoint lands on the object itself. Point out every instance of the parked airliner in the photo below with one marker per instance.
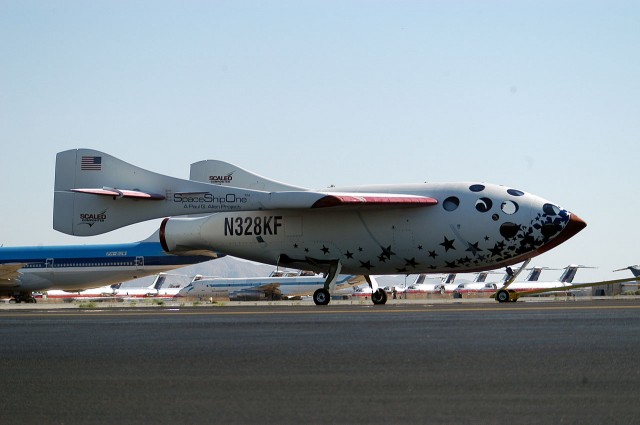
(532, 282)
(277, 285)
(24, 270)
(159, 289)
(363, 230)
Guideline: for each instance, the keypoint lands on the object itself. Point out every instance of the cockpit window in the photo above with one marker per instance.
(509, 207)
(451, 203)
(476, 188)
(515, 192)
(551, 209)
(484, 204)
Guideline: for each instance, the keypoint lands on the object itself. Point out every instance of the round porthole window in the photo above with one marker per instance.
(451, 203)
(515, 192)
(551, 209)
(476, 188)
(509, 207)
(484, 204)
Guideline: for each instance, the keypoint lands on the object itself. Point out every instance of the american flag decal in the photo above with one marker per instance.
(91, 163)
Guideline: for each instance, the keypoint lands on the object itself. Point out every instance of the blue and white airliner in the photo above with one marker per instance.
(24, 270)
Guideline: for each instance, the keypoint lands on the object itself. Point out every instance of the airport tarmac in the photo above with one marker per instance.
(439, 363)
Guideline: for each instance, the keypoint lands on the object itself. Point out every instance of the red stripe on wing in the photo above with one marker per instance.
(338, 200)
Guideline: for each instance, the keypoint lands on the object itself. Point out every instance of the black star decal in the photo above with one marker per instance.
(381, 258)
(411, 262)
(433, 254)
(306, 250)
(325, 249)
(450, 264)
(349, 254)
(473, 248)
(419, 247)
(387, 252)
(496, 250)
(360, 249)
(295, 245)
(486, 238)
(448, 244)
(366, 265)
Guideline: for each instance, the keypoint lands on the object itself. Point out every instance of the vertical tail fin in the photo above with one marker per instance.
(226, 174)
(95, 193)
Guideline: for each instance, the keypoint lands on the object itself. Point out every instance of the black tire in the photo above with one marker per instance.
(503, 296)
(321, 297)
(379, 297)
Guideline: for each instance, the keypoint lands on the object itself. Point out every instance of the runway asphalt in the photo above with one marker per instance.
(449, 363)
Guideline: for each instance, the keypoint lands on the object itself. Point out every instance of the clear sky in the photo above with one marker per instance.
(543, 96)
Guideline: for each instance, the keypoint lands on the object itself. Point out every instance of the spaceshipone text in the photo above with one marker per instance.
(209, 201)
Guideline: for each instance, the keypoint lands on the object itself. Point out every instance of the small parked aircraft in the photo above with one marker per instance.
(277, 285)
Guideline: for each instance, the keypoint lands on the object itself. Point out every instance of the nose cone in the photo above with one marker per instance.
(575, 225)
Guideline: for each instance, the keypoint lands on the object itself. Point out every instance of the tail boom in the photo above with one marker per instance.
(96, 193)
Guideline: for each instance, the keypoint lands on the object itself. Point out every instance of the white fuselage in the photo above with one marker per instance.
(473, 227)
(80, 278)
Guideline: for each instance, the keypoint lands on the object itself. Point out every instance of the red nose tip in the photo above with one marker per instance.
(575, 225)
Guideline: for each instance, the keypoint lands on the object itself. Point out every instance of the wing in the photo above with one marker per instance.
(364, 199)
(9, 271)
(269, 289)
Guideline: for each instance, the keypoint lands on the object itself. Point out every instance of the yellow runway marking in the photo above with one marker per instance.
(304, 310)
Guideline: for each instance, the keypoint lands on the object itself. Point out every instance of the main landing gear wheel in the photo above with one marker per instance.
(503, 296)
(379, 297)
(321, 297)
